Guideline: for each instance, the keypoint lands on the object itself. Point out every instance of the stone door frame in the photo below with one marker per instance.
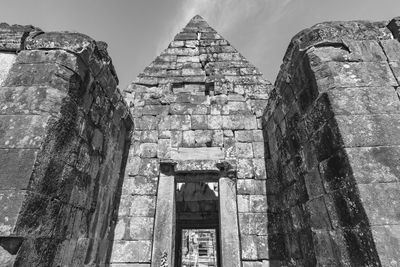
(163, 253)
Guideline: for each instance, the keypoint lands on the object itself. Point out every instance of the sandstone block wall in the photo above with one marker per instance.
(64, 135)
(314, 180)
(199, 103)
(332, 143)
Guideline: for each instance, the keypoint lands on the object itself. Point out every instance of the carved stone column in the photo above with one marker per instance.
(230, 249)
(164, 228)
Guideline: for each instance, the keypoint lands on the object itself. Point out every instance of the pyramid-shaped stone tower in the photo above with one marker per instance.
(185, 175)
(197, 157)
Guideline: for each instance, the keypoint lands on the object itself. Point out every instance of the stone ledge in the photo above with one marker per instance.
(198, 153)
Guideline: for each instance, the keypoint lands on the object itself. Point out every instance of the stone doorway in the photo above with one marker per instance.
(197, 224)
(194, 198)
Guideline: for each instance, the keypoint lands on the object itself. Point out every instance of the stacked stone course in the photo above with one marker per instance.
(63, 144)
(332, 131)
(307, 169)
(197, 104)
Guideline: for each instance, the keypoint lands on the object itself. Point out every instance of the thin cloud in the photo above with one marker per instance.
(226, 15)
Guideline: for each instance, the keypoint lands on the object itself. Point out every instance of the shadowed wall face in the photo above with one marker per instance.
(332, 136)
(64, 139)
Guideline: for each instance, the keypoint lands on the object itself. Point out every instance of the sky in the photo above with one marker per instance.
(138, 30)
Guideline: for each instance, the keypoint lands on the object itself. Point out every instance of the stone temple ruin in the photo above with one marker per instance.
(200, 161)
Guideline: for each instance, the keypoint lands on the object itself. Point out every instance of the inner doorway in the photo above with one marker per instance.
(197, 225)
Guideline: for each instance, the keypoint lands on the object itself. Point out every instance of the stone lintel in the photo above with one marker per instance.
(198, 153)
(223, 168)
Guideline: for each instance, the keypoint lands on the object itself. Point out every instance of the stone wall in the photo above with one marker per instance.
(332, 140)
(198, 104)
(77, 188)
(64, 134)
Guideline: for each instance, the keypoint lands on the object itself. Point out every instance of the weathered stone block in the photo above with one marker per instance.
(6, 258)
(155, 110)
(324, 143)
(141, 228)
(11, 202)
(369, 130)
(196, 166)
(188, 108)
(12, 37)
(6, 62)
(60, 57)
(180, 122)
(254, 247)
(244, 150)
(319, 218)
(124, 205)
(132, 165)
(120, 228)
(358, 74)
(164, 149)
(230, 147)
(244, 136)
(381, 202)
(32, 100)
(146, 123)
(131, 251)
(395, 66)
(386, 239)
(46, 74)
(253, 223)
(361, 50)
(188, 139)
(199, 122)
(245, 168)
(234, 107)
(25, 131)
(176, 138)
(252, 203)
(243, 203)
(149, 167)
(16, 168)
(200, 153)
(214, 122)
(374, 164)
(336, 172)
(259, 169)
(313, 183)
(239, 122)
(251, 187)
(345, 208)
(142, 205)
(325, 248)
(139, 185)
(148, 150)
(74, 42)
(364, 100)
(164, 134)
